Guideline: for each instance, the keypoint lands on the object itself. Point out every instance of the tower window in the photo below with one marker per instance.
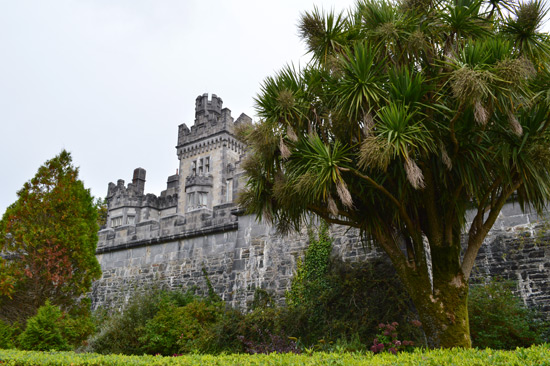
(229, 190)
(203, 200)
(201, 166)
(190, 201)
(117, 221)
(207, 165)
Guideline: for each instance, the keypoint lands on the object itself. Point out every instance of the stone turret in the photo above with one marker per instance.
(207, 177)
(210, 118)
(139, 180)
(206, 152)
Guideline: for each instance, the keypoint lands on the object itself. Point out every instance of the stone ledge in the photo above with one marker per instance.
(159, 240)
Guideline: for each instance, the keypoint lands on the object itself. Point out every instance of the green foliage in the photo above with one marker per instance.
(77, 325)
(537, 355)
(500, 320)
(184, 329)
(102, 212)
(44, 331)
(153, 321)
(50, 235)
(311, 274)
(7, 335)
(198, 317)
(119, 332)
(409, 114)
(333, 301)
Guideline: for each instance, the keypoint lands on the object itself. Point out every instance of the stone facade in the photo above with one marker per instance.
(194, 225)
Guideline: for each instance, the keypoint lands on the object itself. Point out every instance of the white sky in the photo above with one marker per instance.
(110, 81)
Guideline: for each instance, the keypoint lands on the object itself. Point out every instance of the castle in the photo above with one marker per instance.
(194, 227)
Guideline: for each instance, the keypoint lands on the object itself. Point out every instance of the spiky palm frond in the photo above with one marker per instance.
(523, 29)
(462, 19)
(282, 97)
(324, 33)
(360, 89)
(315, 167)
(527, 157)
(406, 85)
(402, 128)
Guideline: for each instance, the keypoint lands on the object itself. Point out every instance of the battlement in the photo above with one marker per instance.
(129, 205)
(211, 119)
(205, 107)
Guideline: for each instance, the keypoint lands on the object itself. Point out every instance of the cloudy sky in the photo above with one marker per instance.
(110, 81)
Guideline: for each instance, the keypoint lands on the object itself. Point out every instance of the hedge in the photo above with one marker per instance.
(536, 355)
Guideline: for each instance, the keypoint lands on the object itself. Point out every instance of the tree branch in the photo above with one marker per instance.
(402, 212)
(476, 237)
(452, 127)
(326, 216)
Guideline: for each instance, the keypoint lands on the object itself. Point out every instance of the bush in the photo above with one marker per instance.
(333, 301)
(7, 335)
(77, 325)
(536, 355)
(44, 331)
(175, 330)
(500, 320)
(119, 332)
(123, 331)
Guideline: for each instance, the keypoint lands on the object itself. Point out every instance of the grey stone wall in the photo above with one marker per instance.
(518, 249)
(240, 255)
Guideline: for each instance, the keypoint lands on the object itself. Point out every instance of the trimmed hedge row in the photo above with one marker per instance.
(536, 355)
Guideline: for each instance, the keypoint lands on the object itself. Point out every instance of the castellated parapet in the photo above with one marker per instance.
(194, 224)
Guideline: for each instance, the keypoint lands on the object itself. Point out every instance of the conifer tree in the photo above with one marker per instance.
(48, 239)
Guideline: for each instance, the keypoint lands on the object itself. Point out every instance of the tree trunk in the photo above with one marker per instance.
(444, 313)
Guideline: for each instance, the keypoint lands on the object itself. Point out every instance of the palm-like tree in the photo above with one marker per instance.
(409, 115)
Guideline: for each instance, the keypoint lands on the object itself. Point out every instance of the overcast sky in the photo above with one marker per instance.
(110, 81)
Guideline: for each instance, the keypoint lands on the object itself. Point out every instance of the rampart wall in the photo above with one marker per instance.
(240, 255)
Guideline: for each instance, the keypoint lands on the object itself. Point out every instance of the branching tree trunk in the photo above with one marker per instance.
(408, 116)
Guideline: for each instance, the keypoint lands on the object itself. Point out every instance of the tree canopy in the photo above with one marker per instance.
(48, 240)
(409, 115)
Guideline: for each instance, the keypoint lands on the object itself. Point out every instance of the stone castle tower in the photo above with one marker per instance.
(209, 155)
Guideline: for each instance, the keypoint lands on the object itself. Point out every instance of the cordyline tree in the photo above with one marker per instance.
(409, 115)
(48, 239)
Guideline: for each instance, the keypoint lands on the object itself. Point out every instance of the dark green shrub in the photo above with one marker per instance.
(7, 335)
(123, 331)
(222, 336)
(119, 332)
(77, 325)
(500, 320)
(199, 317)
(175, 330)
(333, 301)
(161, 333)
(44, 331)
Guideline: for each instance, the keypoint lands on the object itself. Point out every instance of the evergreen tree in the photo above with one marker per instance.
(49, 237)
(43, 331)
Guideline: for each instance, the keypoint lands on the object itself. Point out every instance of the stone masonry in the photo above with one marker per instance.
(194, 224)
